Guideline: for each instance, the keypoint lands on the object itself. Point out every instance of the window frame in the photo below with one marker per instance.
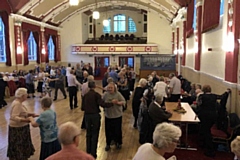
(32, 48)
(3, 57)
(51, 49)
(130, 28)
(119, 22)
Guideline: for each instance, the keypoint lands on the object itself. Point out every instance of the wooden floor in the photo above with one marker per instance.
(64, 114)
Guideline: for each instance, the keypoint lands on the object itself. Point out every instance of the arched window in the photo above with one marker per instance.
(107, 29)
(51, 49)
(119, 23)
(195, 16)
(131, 25)
(32, 48)
(2, 42)
(222, 7)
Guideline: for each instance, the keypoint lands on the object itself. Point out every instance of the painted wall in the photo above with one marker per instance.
(136, 16)
(159, 32)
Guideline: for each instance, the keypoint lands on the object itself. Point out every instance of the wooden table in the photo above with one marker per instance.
(186, 118)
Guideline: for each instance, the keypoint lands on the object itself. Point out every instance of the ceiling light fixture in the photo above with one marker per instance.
(73, 2)
(96, 14)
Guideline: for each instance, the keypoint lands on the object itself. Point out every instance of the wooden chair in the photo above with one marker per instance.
(220, 136)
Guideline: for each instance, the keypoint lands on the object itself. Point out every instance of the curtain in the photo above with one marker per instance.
(36, 37)
(56, 48)
(211, 14)
(190, 13)
(47, 36)
(5, 20)
(26, 35)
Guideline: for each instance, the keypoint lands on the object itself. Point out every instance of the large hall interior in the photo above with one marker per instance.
(190, 44)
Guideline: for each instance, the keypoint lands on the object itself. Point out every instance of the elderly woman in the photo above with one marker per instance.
(161, 88)
(136, 101)
(68, 136)
(165, 139)
(113, 116)
(235, 147)
(48, 129)
(20, 145)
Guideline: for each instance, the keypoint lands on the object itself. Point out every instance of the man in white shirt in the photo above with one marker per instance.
(175, 88)
(72, 88)
(68, 70)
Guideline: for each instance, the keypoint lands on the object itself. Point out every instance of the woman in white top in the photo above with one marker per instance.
(19, 138)
(161, 89)
(40, 78)
(235, 147)
(165, 139)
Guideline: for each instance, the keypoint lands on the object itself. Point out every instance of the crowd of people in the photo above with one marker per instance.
(148, 102)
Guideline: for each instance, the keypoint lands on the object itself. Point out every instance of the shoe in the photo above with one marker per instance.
(65, 97)
(209, 154)
(118, 146)
(54, 99)
(107, 148)
(75, 106)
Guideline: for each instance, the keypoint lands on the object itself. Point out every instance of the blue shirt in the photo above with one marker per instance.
(48, 126)
(63, 71)
(114, 76)
(29, 78)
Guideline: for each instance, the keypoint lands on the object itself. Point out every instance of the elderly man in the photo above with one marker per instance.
(157, 112)
(92, 101)
(175, 88)
(68, 136)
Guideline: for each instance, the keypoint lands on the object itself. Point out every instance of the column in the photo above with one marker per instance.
(184, 42)
(43, 45)
(18, 41)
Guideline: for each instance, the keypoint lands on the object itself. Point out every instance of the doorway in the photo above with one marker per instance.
(101, 66)
(129, 61)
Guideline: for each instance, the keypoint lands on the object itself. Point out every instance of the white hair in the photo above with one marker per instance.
(67, 133)
(159, 98)
(150, 78)
(142, 81)
(165, 134)
(235, 146)
(90, 78)
(20, 92)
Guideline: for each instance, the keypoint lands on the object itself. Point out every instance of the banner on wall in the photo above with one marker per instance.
(158, 62)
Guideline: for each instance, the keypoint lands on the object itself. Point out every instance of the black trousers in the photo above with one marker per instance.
(61, 87)
(72, 95)
(207, 121)
(174, 97)
(113, 130)
(93, 122)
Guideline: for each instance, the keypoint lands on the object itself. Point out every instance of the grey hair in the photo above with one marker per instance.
(171, 74)
(110, 79)
(85, 72)
(46, 102)
(142, 81)
(67, 133)
(114, 85)
(161, 78)
(235, 146)
(20, 92)
(165, 134)
(90, 78)
(159, 98)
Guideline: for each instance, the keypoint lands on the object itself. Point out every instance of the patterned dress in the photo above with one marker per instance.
(46, 88)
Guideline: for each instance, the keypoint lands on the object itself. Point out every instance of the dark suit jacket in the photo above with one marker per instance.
(157, 114)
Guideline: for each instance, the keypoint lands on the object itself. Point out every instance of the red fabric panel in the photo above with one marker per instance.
(25, 47)
(51, 31)
(231, 62)
(211, 15)
(36, 37)
(184, 43)
(5, 6)
(190, 12)
(17, 33)
(59, 48)
(30, 27)
(5, 20)
(54, 34)
(199, 36)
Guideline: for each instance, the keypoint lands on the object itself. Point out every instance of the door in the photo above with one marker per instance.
(129, 61)
(101, 65)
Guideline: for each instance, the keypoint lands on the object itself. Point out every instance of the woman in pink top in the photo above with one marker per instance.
(20, 145)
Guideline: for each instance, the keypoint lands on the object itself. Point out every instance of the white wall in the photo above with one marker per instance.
(159, 32)
(85, 28)
(136, 16)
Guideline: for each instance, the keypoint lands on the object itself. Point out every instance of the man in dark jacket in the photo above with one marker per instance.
(92, 100)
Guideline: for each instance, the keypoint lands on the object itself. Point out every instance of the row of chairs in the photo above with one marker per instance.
(117, 37)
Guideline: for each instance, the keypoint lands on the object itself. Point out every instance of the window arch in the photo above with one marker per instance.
(195, 16)
(51, 49)
(131, 25)
(2, 42)
(119, 23)
(107, 29)
(32, 48)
